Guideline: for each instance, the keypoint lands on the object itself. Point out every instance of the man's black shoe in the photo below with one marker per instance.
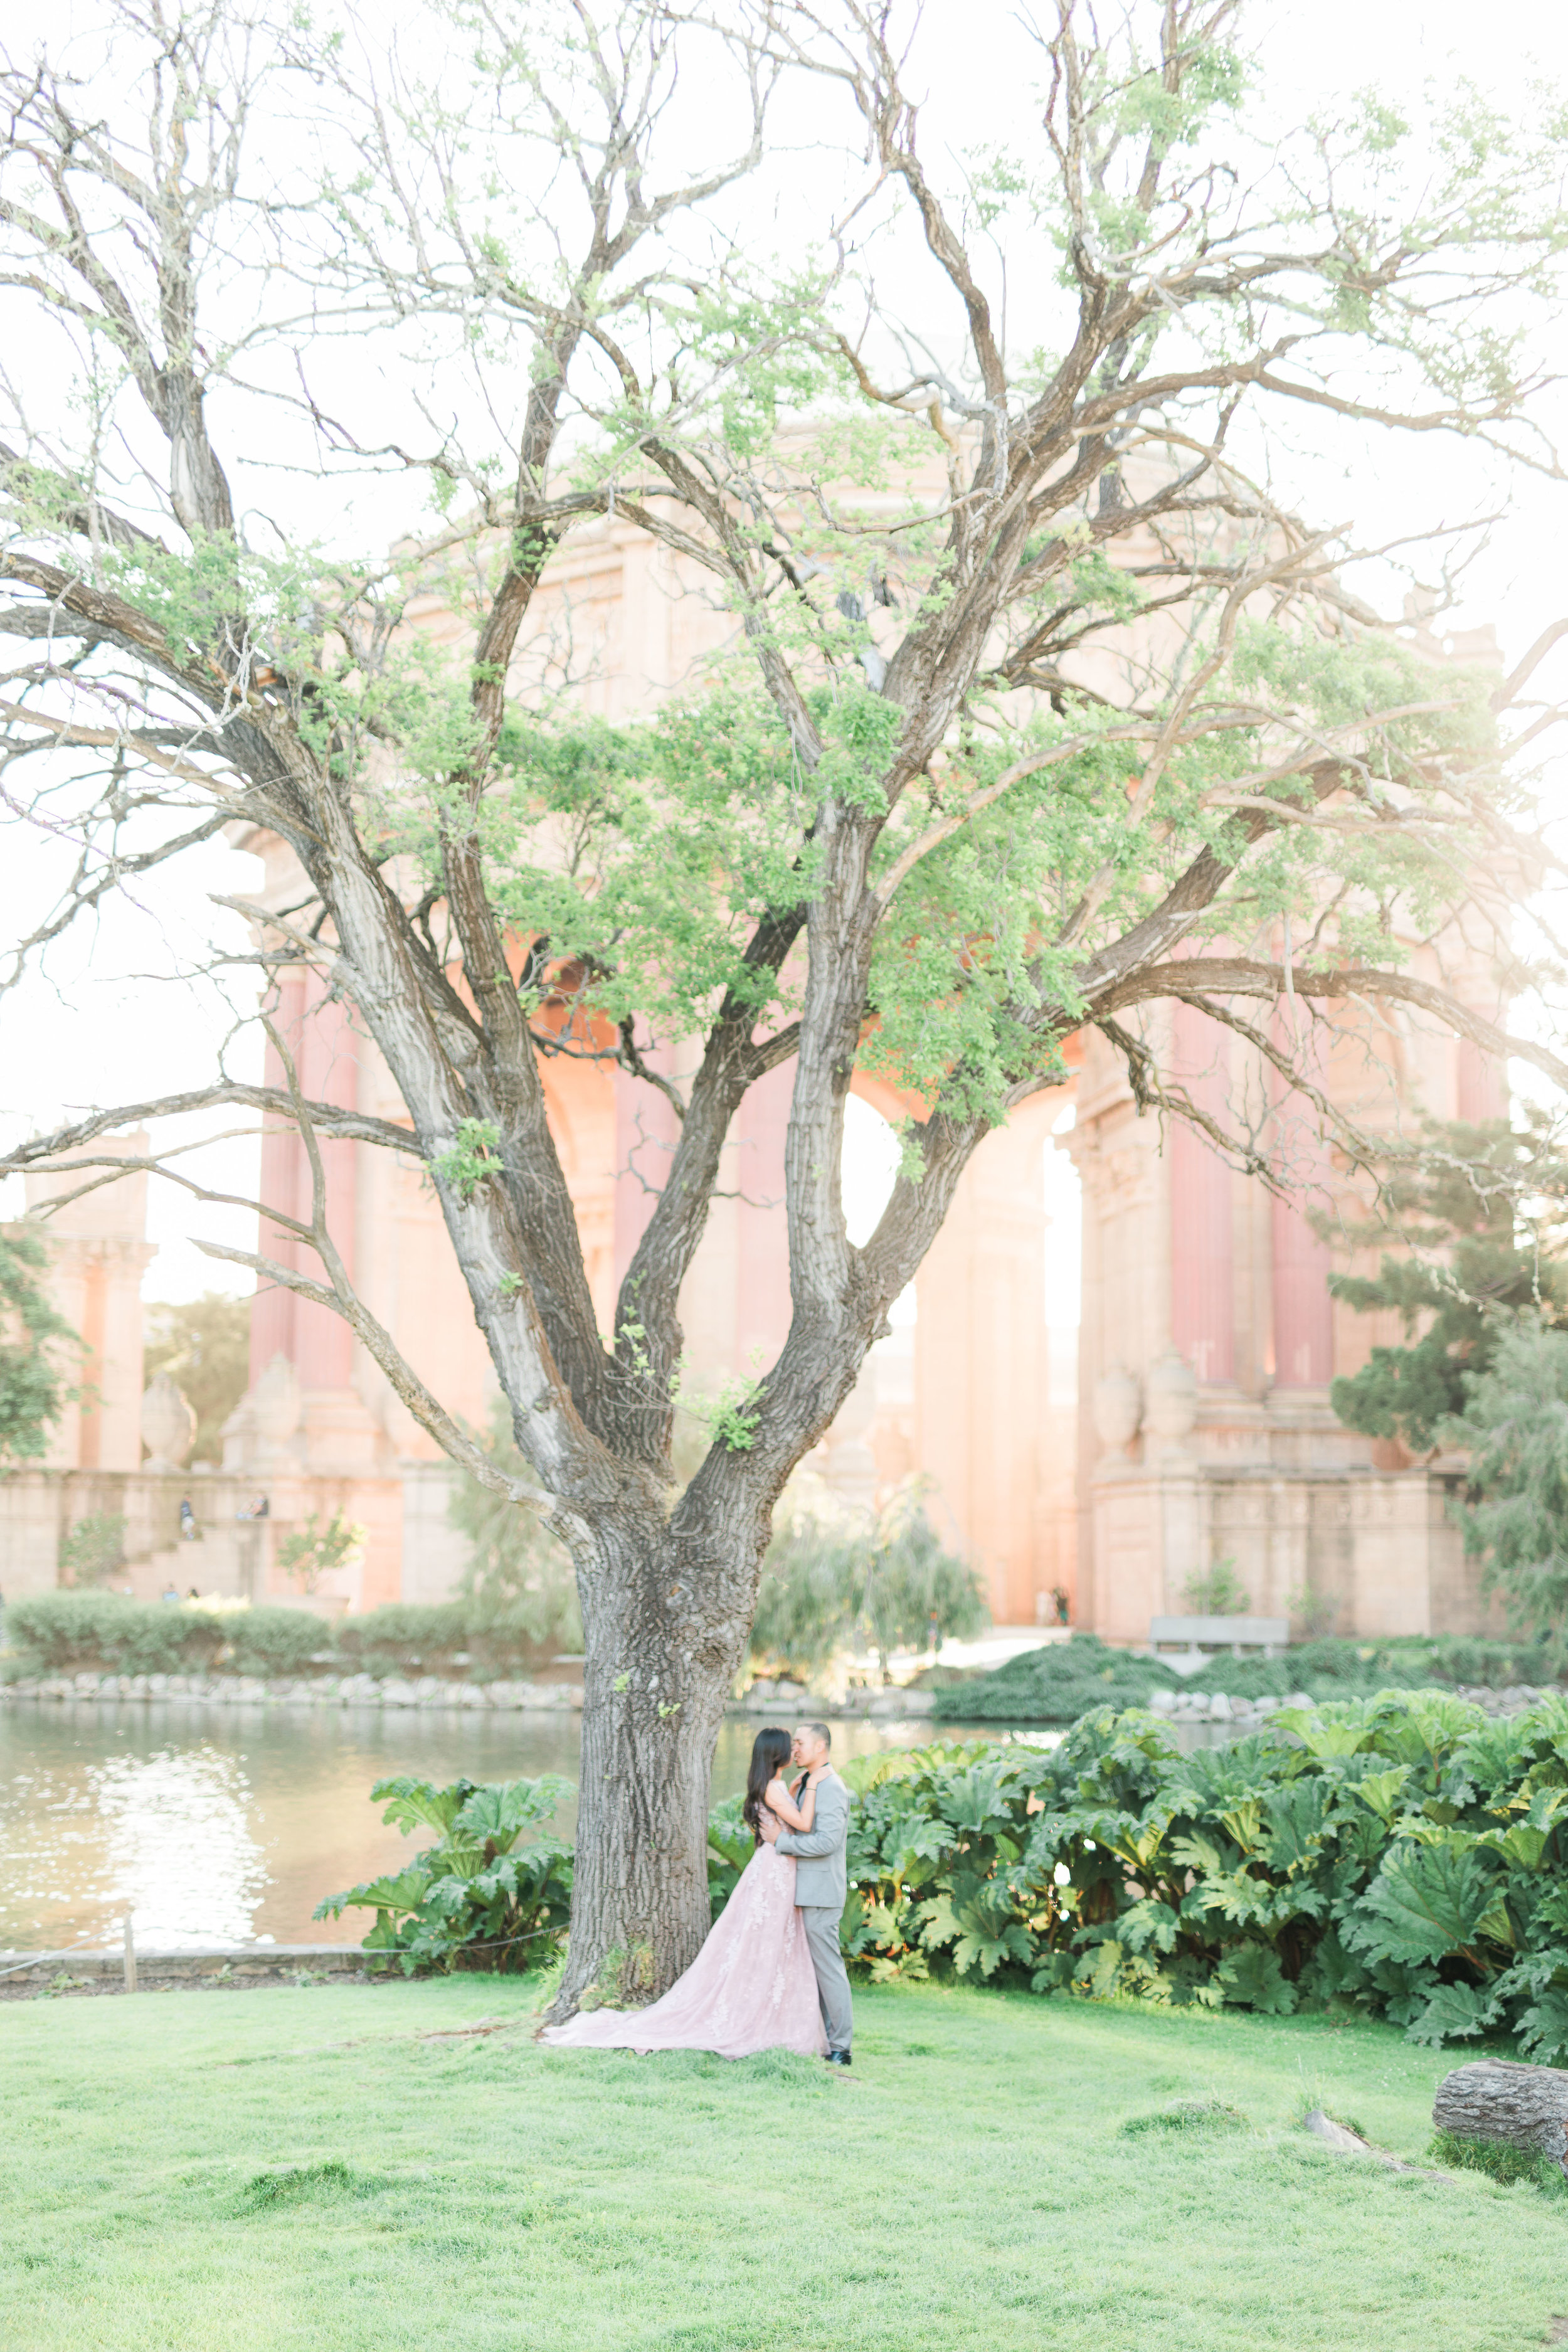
(838, 2057)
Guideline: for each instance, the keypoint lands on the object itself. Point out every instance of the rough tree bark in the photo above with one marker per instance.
(1498, 2099)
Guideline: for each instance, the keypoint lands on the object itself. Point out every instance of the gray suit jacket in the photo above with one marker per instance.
(820, 1876)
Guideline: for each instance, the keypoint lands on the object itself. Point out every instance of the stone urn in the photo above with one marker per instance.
(168, 1424)
(275, 1403)
(1118, 1406)
(1173, 1400)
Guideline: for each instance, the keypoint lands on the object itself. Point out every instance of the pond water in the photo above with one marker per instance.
(216, 1825)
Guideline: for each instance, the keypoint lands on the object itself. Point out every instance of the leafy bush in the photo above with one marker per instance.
(406, 1635)
(1402, 1855)
(94, 1548)
(55, 1630)
(1219, 1593)
(1057, 1684)
(274, 1641)
(475, 1899)
(313, 1551)
(61, 1632)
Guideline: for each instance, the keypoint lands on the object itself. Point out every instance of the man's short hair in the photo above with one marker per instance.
(821, 1730)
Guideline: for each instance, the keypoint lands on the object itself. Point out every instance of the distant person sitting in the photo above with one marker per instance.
(170, 1592)
(188, 1528)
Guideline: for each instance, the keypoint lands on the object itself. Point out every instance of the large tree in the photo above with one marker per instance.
(1036, 704)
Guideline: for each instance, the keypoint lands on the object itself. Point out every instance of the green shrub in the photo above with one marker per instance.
(94, 1548)
(313, 1551)
(476, 1898)
(58, 1632)
(274, 1641)
(1064, 1680)
(1057, 1685)
(55, 1632)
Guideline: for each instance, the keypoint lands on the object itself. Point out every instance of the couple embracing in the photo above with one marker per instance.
(771, 1975)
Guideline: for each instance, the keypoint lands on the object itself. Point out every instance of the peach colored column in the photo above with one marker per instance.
(646, 1132)
(1202, 1249)
(1303, 1311)
(318, 1343)
(1481, 1092)
(763, 1305)
(329, 1072)
(283, 1161)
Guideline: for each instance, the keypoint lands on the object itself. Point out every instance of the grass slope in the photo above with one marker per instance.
(311, 2168)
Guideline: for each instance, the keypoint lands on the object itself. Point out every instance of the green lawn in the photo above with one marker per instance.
(212, 2172)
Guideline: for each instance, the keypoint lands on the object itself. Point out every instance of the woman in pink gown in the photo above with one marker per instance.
(751, 1986)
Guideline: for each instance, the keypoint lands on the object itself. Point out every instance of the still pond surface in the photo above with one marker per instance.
(220, 1826)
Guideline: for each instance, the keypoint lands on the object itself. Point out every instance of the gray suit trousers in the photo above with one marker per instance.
(832, 1976)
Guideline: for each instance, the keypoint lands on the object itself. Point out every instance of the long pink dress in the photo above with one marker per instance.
(751, 1986)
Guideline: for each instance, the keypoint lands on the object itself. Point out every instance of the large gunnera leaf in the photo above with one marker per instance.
(1426, 1902)
(1253, 1978)
(1454, 2013)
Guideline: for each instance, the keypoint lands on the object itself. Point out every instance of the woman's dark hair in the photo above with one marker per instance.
(770, 1753)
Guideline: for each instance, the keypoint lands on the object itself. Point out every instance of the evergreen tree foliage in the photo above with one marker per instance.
(34, 1340)
(1515, 1517)
(1458, 1210)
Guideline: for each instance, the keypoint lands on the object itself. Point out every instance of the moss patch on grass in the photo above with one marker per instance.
(305, 2171)
(1188, 2115)
(1508, 2166)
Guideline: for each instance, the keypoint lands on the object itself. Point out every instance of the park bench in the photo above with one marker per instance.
(1199, 1637)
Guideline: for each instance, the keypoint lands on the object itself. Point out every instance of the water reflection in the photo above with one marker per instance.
(218, 1826)
(179, 1843)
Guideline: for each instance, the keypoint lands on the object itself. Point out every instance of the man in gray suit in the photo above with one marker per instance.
(821, 1882)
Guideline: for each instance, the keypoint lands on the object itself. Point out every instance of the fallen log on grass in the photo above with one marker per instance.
(1498, 2099)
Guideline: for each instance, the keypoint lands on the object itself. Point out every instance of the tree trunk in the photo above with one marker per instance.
(1498, 2099)
(663, 1635)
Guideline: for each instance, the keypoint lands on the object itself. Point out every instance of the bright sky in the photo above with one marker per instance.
(98, 1028)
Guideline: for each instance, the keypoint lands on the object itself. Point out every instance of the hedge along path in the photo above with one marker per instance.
(62, 1631)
